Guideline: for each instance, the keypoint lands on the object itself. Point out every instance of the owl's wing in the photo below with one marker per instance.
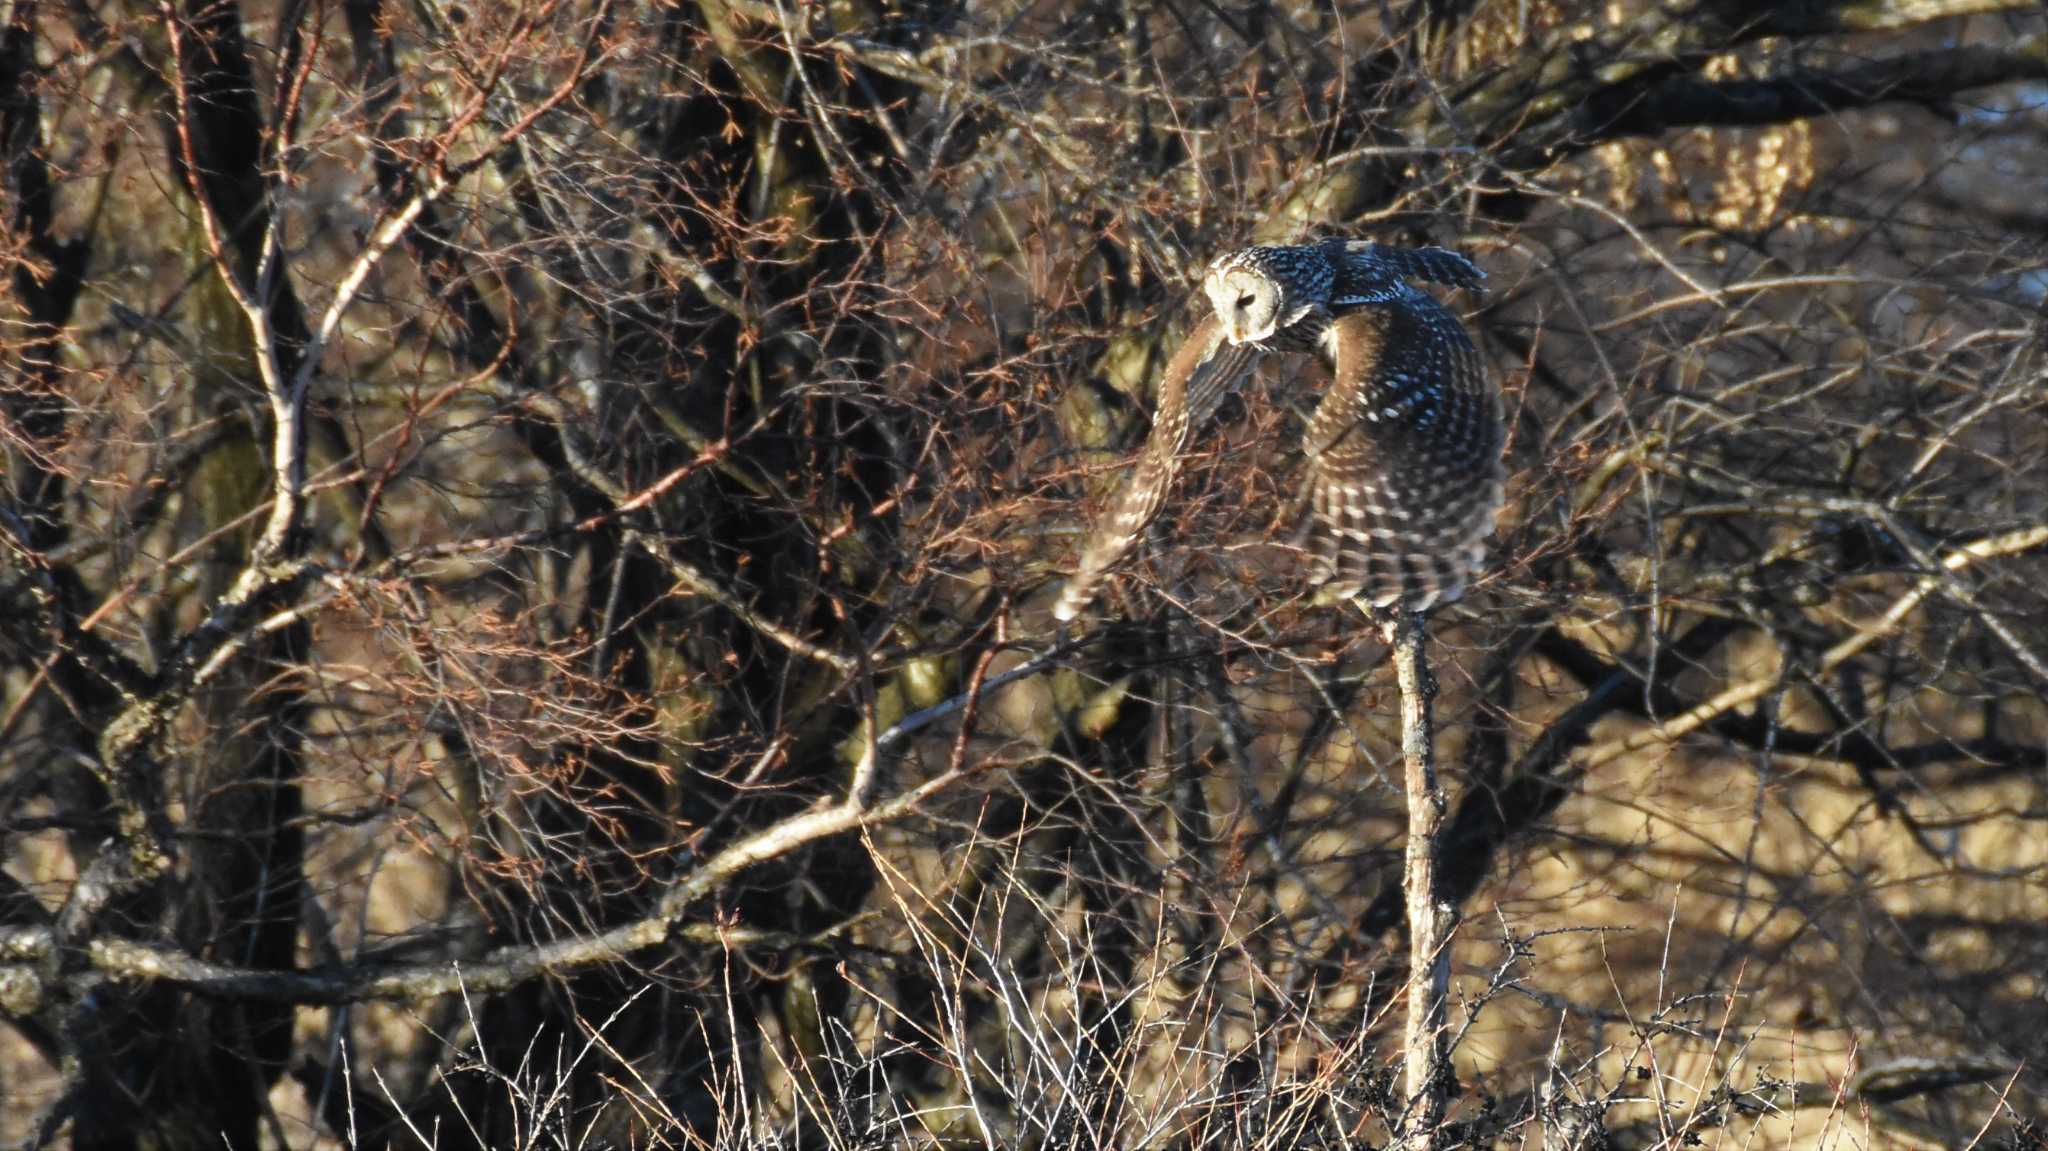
(1203, 371)
(1404, 455)
(1375, 273)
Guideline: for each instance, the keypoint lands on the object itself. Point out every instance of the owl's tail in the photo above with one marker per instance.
(1384, 549)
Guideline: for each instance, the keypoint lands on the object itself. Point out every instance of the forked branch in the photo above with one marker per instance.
(1425, 1051)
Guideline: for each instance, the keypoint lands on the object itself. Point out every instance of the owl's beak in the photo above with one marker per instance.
(1221, 297)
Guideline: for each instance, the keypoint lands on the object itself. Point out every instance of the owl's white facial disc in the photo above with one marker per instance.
(1247, 303)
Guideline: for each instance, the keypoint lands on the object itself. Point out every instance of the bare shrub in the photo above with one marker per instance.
(529, 532)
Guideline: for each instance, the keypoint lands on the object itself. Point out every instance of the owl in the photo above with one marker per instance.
(1404, 450)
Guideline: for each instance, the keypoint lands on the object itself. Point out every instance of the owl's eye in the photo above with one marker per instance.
(1245, 301)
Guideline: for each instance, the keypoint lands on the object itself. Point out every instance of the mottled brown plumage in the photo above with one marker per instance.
(1404, 455)
(1404, 451)
(1202, 372)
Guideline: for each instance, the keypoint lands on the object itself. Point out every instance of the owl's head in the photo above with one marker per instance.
(1258, 291)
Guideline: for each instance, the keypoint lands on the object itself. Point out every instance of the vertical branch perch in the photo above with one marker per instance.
(1429, 913)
